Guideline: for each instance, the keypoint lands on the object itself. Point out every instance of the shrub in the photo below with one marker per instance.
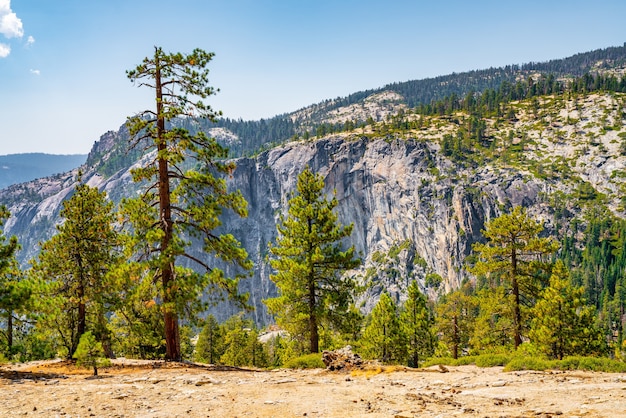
(528, 363)
(491, 360)
(598, 364)
(307, 361)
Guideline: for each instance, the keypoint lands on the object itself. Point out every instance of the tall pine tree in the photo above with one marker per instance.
(185, 192)
(563, 324)
(310, 260)
(516, 255)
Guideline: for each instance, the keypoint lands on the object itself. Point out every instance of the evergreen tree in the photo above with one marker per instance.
(563, 325)
(383, 338)
(137, 324)
(455, 320)
(90, 353)
(417, 322)
(516, 254)
(75, 264)
(309, 260)
(494, 327)
(13, 292)
(184, 192)
(210, 345)
(241, 344)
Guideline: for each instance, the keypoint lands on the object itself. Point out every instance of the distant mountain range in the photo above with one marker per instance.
(20, 168)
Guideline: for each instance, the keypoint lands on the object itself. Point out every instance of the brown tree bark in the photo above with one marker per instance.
(172, 336)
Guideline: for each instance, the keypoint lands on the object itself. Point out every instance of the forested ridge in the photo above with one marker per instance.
(253, 137)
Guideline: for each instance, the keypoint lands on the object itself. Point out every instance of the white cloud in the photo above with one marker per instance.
(5, 50)
(30, 41)
(35, 72)
(10, 24)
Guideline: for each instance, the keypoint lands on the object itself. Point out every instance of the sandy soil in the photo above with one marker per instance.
(155, 389)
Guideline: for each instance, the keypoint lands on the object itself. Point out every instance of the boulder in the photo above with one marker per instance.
(342, 359)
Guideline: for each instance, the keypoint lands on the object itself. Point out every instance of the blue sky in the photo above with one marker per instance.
(63, 62)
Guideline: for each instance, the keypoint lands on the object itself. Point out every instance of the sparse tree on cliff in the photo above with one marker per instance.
(184, 191)
(516, 255)
(310, 260)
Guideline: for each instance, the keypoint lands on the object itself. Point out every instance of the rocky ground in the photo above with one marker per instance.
(156, 389)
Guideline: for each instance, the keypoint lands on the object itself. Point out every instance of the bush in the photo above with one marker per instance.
(308, 361)
(528, 363)
(491, 360)
(597, 364)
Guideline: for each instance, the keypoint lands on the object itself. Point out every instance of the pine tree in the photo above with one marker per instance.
(383, 338)
(417, 321)
(184, 192)
(90, 353)
(563, 324)
(309, 260)
(455, 320)
(210, 345)
(13, 291)
(74, 265)
(493, 327)
(516, 254)
(241, 344)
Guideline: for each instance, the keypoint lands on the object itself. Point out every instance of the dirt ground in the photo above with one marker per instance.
(156, 389)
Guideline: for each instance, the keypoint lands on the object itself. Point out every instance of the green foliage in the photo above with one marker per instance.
(529, 363)
(309, 261)
(515, 255)
(90, 353)
(184, 193)
(14, 293)
(417, 323)
(433, 280)
(455, 319)
(491, 360)
(242, 346)
(137, 324)
(596, 364)
(383, 338)
(75, 289)
(307, 361)
(210, 345)
(563, 324)
(493, 328)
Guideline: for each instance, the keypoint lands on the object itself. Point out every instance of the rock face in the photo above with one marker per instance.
(387, 190)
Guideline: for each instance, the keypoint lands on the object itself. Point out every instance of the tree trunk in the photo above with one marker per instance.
(314, 336)
(10, 332)
(517, 320)
(455, 339)
(172, 336)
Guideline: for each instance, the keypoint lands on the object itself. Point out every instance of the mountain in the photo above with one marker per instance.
(418, 186)
(20, 168)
